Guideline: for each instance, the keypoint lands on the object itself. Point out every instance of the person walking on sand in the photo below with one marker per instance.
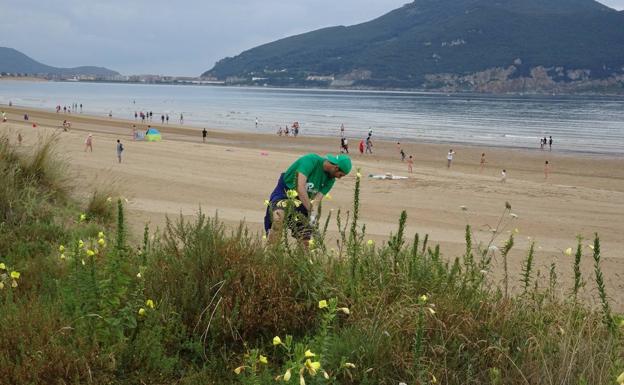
(410, 164)
(257, 123)
(120, 149)
(181, 118)
(503, 176)
(449, 158)
(311, 177)
(204, 134)
(342, 130)
(362, 147)
(369, 145)
(546, 169)
(482, 162)
(402, 155)
(550, 143)
(89, 143)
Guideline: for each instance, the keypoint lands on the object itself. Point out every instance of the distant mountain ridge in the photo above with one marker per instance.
(13, 61)
(474, 45)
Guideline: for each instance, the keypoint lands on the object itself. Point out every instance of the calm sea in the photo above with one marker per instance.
(589, 124)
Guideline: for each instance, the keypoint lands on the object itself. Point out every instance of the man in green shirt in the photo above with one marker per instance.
(311, 176)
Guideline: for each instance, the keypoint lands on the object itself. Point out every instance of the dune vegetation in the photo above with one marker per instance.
(200, 303)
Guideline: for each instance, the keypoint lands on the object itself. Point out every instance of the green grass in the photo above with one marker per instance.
(221, 295)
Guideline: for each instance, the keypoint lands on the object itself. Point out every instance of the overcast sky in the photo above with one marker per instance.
(183, 37)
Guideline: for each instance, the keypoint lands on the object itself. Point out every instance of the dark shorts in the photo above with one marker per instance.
(297, 220)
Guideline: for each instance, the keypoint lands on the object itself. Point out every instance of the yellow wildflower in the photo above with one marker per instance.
(434, 380)
(83, 262)
(2, 266)
(83, 217)
(100, 234)
(90, 253)
(328, 196)
(138, 275)
(263, 359)
(568, 251)
(297, 202)
(620, 379)
(370, 242)
(61, 248)
(322, 304)
(423, 298)
(309, 354)
(1, 285)
(62, 256)
(101, 242)
(622, 324)
(358, 174)
(292, 194)
(109, 199)
(80, 243)
(15, 274)
(311, 243)
(312, 366)
(301, 379)
(239, 369)
(287, 376)
(141, 312)
(277, 341)
(264, 237)
(149, 303)
(344, 310)
(14, 284)
(266, 202)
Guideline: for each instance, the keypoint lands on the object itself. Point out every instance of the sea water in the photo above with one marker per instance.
(587, 124)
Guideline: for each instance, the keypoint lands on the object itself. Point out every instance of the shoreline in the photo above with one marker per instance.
(174, 128)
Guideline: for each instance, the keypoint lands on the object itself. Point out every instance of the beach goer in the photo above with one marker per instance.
(167, 118)
(181, 118)
(546, 169)
(342, 130)
(550, 143)
(257, 125)
(312, 177)
(503, 176)
(120, 150)
(344, 146)
(399, 147)
(449, 158)
(89, 143)
(369, 145)
(482, 162)
(134, 132)
(110, 114)
(19, 138)
(81, 108)
(410, 164)
(362, 147)
(402, 155)
(162, 119)
(25, 116)
(204, 134)
(135, 115)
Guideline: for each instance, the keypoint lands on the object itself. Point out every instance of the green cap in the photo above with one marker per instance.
(342, 161)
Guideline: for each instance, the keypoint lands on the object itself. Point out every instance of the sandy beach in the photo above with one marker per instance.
(234, 172)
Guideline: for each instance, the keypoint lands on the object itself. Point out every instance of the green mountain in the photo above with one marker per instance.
(450, 44)
(13, 61)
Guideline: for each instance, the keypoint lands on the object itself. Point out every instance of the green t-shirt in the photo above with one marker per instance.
(311, 166)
